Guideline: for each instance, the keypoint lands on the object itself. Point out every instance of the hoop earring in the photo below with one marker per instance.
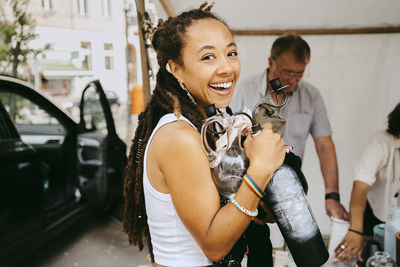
(168, 68)
(187, 92)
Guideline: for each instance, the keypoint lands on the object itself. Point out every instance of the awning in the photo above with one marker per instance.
(59, 71)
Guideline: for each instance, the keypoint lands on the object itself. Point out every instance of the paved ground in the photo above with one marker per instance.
(95, 242)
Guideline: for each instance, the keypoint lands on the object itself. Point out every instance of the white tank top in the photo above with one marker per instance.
(173, 245)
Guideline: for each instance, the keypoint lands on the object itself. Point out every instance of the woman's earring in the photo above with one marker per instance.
(168, 68)
(182, 86)
(187, 92)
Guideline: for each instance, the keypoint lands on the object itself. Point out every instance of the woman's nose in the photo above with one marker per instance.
(225, 66)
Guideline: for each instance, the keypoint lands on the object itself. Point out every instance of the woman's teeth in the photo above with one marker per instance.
(221, 85)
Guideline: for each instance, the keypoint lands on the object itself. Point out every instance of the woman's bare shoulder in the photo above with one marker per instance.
(177, 145)
(177, 135)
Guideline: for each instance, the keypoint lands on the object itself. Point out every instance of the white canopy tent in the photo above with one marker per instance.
(292, 14)
(355, 63)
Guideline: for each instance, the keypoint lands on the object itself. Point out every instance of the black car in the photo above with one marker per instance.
(112, 98)
(52, 169)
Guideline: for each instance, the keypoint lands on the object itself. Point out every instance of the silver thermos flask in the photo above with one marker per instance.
(286, 199)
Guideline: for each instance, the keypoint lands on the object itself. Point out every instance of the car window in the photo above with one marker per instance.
(30, 119)
(5, 132)
(7, 129)
(93, 114)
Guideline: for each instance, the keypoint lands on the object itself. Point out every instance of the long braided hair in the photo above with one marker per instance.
(168, 97)
(394, 122)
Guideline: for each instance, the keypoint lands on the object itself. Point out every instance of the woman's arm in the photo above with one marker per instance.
(353, 241)
(184, 166)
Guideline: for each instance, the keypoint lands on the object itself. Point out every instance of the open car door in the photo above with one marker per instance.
(101, 153)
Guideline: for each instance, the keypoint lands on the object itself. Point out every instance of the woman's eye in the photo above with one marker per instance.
(208, 57)
(232, 54)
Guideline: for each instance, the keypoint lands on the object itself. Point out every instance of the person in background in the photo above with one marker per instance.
(305, 111)
(170, 197)
(305, 114)
(376, 181)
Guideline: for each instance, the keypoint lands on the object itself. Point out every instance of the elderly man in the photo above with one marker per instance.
(305, 114)
(305, 111)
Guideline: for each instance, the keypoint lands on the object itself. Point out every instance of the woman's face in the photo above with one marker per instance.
(211, 66)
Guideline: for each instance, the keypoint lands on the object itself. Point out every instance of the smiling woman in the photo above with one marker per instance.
(170, 197)
(211, 65)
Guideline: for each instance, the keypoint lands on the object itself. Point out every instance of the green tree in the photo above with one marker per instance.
(15, 36)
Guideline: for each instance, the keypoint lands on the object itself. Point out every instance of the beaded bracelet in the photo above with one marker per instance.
(242, 209)
(250, 182)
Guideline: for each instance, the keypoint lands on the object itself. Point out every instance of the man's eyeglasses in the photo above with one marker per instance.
(291, 74)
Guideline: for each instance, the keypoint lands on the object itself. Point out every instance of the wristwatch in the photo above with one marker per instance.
(333, 195)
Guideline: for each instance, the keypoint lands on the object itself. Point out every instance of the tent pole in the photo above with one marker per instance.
(143, 55)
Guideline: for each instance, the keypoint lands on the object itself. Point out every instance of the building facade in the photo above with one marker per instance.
(88, 39)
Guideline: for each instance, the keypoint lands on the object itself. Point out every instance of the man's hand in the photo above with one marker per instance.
(335, 209)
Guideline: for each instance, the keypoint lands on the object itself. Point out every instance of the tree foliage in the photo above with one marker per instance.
(15, 35)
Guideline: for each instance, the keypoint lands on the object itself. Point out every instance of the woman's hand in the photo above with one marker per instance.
(352, 243)
(268, 218)
(265, 152)
(350, 246)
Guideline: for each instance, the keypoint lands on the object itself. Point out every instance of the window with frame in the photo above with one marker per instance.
(86, 49)
(33, 122)
(47, 5)
(108, 56)
(82, 7)
(93, 113)
(106, 8)
(7, 130)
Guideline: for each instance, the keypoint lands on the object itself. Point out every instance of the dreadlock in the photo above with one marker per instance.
(393, 122)
(168, 97)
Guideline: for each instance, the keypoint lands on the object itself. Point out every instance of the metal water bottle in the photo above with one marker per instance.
(287, 201)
